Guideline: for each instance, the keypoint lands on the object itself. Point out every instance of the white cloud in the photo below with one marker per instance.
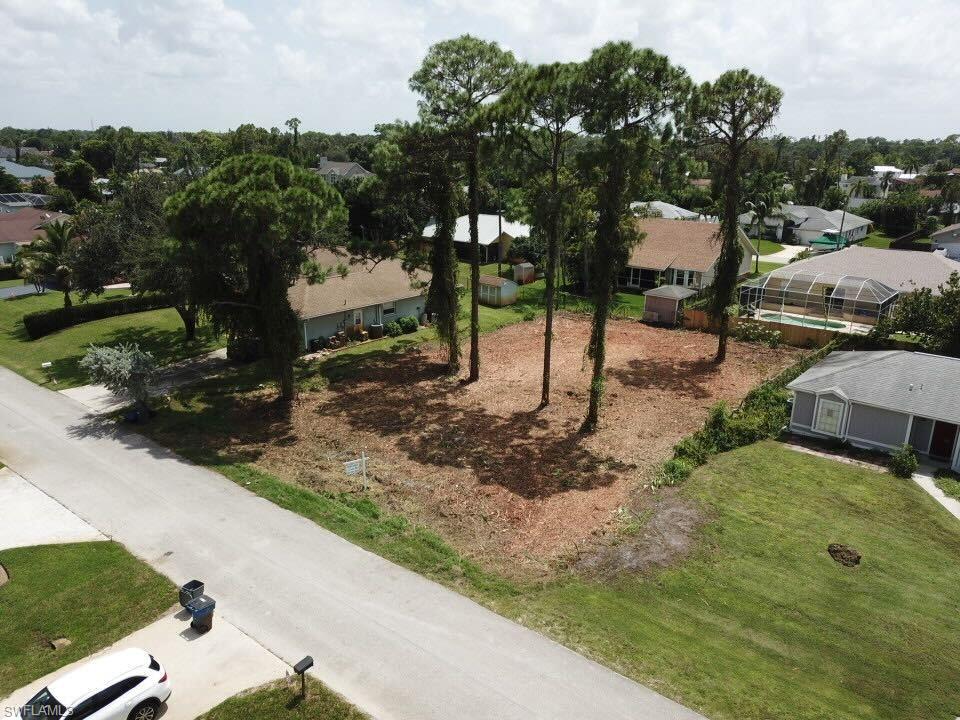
(877, 67)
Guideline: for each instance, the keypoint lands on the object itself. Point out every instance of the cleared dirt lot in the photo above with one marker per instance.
(479, 463)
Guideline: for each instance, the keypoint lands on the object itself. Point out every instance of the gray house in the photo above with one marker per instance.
(369, 294)
(881, 400)
(333, 171)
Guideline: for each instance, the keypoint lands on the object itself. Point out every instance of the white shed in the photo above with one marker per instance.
(497, 291)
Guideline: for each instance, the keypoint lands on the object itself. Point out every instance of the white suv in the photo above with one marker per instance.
(125, 685)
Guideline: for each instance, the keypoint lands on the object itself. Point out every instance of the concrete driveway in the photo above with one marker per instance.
(17, 291)
(31, 517)
(394, 643)
(204, 670)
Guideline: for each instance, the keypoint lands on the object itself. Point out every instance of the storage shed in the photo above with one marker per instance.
(497, 291)
(664, 304)
(524, 273)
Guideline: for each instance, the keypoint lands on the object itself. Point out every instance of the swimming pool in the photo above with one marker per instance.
(805, 321)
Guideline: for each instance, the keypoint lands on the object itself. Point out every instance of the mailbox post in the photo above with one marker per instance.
(301, 669)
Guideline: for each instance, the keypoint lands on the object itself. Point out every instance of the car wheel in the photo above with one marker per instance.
(148, 710)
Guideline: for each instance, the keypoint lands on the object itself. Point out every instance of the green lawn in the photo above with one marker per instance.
(949, 482)
(93, 594)
(759, 622)
(767, 247)
(281, 701)
(11, 283)
(159, 331)
(878, 239)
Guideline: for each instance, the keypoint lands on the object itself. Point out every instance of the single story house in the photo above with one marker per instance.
(882, 400)
(803, 224)
(947, 239)
(21, 227)
(664, 304)
(902, 270)
(679, 253)
(333, 171)
(658, 208)
(25, 173)
(369, 294)
(497, 291)
(496, 235)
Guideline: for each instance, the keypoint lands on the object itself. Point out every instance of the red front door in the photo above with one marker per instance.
(944, 436)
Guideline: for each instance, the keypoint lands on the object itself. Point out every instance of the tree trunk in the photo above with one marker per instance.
(722, 333)
(552, 241)
(67, 302)
(189, 317)
(474, 211)
(598, 351)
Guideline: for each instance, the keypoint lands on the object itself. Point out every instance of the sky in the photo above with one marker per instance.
(871, 67)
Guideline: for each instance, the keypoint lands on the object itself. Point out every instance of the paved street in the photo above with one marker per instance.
(394, 643)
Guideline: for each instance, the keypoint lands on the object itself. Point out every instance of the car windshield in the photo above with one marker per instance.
(42, 705)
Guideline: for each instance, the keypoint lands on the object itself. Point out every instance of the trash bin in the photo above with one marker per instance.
(190, 591)
(201, 610)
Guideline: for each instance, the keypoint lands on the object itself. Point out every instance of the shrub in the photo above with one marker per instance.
(762, 414)
(904, 462)
(393, 329)
(124, 369)
(674, 472)
(756, 332)
(529, 313)
(408, 324)
(8, 272)
(44, 322)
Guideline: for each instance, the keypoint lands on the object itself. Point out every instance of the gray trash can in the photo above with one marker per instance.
(190, 591)
(201, 612)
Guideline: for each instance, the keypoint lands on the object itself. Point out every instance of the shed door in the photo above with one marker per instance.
(829, 415)
(944, 435)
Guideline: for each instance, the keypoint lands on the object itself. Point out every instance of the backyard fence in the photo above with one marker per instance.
(796, 335)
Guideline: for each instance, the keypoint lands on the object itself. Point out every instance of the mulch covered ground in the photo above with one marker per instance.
(479, 463)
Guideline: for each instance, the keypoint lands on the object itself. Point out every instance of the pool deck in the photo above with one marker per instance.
(810, 321)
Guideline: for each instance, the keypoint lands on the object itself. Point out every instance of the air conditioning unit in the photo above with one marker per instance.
(650, 316)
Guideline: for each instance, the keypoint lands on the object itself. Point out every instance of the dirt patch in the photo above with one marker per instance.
(479, 463)
(656, 534)
(844, 554)
(4, 575)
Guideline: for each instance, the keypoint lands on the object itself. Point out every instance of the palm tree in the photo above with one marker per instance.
(759, 211)
(886, 181)
(950, 198)
(50, 256)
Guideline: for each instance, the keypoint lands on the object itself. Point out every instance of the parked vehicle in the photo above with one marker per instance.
(125, 685)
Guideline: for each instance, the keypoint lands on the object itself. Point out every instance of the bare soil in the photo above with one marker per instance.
(515, 486)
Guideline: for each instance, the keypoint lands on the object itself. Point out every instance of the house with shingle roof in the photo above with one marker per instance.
(333, 171)
(901, 270)
(806, 224)
(679, 252)
(882, 400)
(22, 227)
(948, 240)
(25, 172)
(369, 294)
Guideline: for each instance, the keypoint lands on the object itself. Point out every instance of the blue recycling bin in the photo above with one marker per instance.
(201, 611)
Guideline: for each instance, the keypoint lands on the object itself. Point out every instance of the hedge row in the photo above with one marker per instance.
(44, 322)
(8, 273)
(762, 414)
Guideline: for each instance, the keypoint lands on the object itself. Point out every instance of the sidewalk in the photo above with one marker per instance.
(101, 400)
(924, 478)
(782, 257)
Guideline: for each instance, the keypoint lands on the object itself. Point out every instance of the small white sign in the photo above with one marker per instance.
(353, 467)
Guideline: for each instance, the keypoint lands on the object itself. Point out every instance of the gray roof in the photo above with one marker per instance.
(336, 168)
(810, 217)
(909, 382)
(25, 172)
(674, 292)
(666, 210)
(903, 270)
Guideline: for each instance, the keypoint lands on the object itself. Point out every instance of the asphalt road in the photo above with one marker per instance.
(395, 644)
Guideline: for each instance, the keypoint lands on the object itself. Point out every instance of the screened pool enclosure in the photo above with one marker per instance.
(837, 302)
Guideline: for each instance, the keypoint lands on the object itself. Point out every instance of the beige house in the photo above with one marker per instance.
(679, 252)
(369, 294)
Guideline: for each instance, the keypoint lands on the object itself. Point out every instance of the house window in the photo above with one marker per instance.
(389, 308)
(686, 278)
(829, 415)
